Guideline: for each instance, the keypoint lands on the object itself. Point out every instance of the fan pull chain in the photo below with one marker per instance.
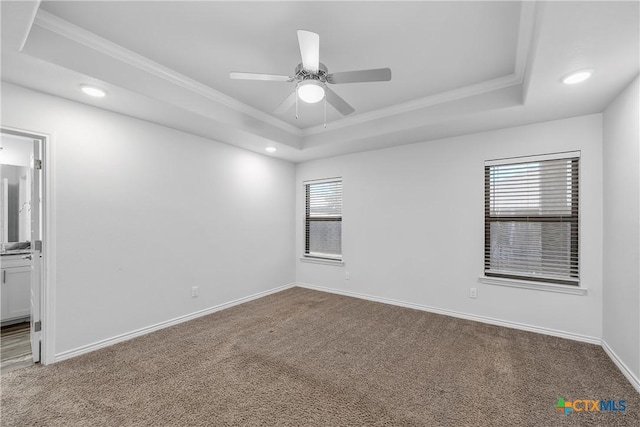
(325, 112)
(296, 102)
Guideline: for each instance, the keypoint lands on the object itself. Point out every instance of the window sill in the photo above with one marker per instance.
(326, 261)
(537, 286)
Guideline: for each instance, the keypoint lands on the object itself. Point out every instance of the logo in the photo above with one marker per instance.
(589, 405)
(564, 407)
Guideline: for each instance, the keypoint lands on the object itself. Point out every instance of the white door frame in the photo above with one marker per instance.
(48, 282)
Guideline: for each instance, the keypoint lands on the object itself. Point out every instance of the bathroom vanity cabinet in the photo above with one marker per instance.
(16, 288)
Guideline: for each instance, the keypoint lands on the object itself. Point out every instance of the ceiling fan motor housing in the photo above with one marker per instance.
(302, 74)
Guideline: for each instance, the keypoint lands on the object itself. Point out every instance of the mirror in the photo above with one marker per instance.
(16, 203)
(15, 190)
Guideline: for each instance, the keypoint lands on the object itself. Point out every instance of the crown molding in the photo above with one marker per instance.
(523, 49)
(525, 37)
(86, 38)
(417, 104)
(93, 41)
(36, 8)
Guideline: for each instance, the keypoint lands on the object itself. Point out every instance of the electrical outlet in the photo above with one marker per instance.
(347, 276)
(473, 292)
(194, 291)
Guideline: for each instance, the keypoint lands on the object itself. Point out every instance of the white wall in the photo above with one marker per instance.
(413, 225)
(621, 308)
(145, 212)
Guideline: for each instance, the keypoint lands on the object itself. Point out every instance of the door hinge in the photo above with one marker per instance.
(37, 326)
(37, 164)
(37, 245)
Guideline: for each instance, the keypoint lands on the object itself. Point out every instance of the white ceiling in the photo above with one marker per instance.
(457, 67)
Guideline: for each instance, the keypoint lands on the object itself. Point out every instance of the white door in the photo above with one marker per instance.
(36, 248)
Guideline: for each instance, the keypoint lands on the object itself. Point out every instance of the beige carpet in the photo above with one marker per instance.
(302, 357)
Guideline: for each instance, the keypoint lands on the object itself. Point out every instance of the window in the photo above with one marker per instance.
(323, 219)
(531, 219)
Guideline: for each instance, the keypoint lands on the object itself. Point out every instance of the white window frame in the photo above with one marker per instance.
(320, 258)
(564, 286)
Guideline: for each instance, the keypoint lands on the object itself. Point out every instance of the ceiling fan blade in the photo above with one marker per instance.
(337, 102)
(309, 49)
(286, 104)
(259, 76)
(375, 75)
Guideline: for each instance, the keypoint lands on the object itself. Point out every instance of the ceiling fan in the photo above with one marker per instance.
(311, 78)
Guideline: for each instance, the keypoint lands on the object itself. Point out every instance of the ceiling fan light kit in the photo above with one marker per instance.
(311, 77)
(311, 91)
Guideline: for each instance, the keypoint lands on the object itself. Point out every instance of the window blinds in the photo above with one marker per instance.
(323, 219)
(531, 220)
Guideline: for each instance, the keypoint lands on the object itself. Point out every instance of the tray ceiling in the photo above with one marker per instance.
(457, 67)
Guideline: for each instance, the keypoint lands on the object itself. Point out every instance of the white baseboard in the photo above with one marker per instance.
(146, 330)
(635, 381)
(476, 318)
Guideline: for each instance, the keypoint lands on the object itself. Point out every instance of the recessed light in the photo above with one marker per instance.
(93, 91)
(271, 149)
(577, 77)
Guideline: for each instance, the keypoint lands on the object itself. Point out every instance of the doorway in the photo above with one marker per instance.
(21, 235)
